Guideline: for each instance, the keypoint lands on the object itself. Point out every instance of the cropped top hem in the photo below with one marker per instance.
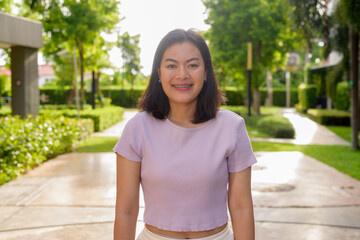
(179, 228)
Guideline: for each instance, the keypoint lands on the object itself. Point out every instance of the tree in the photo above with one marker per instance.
(234, 23)
(311, 20)
(5, 6)
(75, 23)
(350, 14)
(130, 52)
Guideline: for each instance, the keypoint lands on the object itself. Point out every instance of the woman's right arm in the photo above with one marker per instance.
(127, 198)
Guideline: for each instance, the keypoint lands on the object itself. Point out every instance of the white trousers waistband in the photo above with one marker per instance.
(225, 234)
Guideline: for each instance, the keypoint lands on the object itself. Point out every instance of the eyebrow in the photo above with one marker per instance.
(189, 60)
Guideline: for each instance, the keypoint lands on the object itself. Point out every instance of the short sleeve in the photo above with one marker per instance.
(129, 144)
(242, 156)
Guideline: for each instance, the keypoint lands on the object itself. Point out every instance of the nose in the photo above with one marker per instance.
(182, 73)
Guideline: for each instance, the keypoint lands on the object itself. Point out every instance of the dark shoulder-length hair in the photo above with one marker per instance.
(154, 99)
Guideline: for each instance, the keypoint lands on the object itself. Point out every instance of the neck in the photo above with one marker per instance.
(182, 114)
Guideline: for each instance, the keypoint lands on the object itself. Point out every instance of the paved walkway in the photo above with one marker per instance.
(72, 197)
(307, 132)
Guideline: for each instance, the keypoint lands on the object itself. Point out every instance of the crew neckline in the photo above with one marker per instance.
(188, 129)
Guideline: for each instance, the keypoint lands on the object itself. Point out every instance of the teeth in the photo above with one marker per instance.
(186, 86)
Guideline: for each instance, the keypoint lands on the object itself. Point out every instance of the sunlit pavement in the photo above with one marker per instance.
(72, 197)
(307, 132)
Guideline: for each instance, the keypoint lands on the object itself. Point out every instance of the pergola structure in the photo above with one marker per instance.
(24, 37)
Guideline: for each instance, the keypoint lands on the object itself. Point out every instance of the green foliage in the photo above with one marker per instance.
(26, 143)
(270, 123)
(98, 144)
(5, 6)
(349, 11)
(124, 97)
(131, 56)
(342, 131)
(71, 24)
(330, 117)
(342, 96)
(307, 96)
(5, 84)
(102, 117)
(234, 23)
(275, 126)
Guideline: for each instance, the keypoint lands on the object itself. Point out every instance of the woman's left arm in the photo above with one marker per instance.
(240, 205)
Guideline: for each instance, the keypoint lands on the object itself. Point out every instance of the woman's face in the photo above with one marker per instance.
(182, 73)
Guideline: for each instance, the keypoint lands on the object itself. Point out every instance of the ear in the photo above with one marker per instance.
(159, 73)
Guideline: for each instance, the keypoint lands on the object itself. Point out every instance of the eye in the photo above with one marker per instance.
(171, 66)
(193, 65)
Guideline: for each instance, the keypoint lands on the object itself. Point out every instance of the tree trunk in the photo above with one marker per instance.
(256, 101)
(82, 91)
(354, 77)
(269, 99)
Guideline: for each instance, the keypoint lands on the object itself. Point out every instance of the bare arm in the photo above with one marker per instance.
(241, 206)
(127, 198)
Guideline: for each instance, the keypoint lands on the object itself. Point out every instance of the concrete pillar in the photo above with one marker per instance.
(24, 80)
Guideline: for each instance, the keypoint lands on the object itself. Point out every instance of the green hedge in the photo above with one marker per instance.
(330, 117)
(342, 96)
(271, 122)
(307, 96)
(26, 143)
(102, 117)
(123, 98)
(276, 126)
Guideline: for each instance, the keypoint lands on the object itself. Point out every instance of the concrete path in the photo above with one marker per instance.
(307, 132)
(72, 197)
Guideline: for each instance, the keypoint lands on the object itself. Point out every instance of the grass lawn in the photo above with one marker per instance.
(343, 132)
(98, 144)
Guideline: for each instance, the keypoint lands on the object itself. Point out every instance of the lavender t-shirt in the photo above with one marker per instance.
(184, 171)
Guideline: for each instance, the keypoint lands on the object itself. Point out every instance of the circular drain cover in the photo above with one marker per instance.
(272, 187)
(257, 167)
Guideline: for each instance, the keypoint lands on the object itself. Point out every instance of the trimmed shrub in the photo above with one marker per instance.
(123, 98)
(102, 117)
(26, 143)
(330, 117)
(271, 123)
(235, 97)
(277, 127)
(279, 97)
(342, 96)
(307, 96)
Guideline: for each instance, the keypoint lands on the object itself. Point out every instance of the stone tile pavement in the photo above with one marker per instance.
(72, 197)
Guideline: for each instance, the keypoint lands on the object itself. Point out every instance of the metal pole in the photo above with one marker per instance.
(93, 86)
(76, 87)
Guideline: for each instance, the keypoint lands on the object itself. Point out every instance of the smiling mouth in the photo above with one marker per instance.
(182, 86)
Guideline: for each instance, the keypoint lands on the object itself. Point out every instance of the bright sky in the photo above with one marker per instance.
(153, 19)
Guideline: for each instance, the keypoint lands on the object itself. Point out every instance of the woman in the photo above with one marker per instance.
(184, 152)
